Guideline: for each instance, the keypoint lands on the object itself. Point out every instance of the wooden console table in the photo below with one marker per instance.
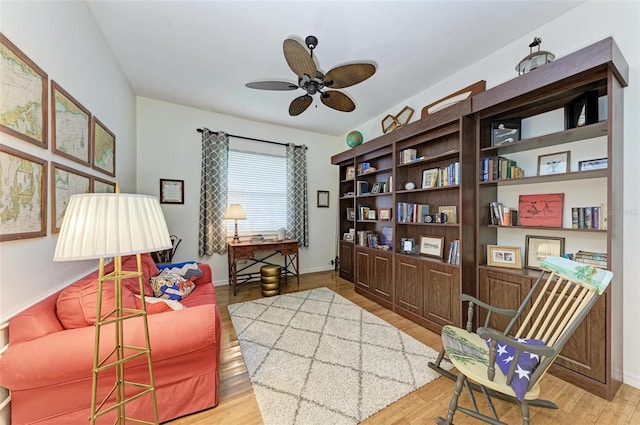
(237, 251)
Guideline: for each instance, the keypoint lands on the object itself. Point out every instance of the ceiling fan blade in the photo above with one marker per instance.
(299, 105)
(299, 59)
(338, 101)
(272, 85)
(348, 75)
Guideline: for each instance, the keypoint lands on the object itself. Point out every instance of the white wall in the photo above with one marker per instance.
(169, 147)
(582, 26)
(63, 39)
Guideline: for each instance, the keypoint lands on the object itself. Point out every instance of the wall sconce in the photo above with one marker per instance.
(534, 59)
(235, 213)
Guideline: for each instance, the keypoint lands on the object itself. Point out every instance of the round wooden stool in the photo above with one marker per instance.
(270, 280)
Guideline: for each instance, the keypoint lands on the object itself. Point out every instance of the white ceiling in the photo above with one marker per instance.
(201, 53)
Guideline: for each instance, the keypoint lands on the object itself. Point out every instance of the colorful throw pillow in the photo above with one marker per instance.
(188, 269)
(171, 286)
(527, 362)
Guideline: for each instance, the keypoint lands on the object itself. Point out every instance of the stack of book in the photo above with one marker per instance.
(407, 155)
(499, 168)
(454, 252)
(594, 218)
(596, 259)
(449, 175)
(500, 215)
(410, 212)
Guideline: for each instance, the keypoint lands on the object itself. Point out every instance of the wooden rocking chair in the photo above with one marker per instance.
(548, 316)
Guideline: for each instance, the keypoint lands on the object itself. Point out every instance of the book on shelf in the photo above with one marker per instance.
(408, 155)
(499, 215)
(499, 168)
(454, 252)
(410, 212)
(367, 238)
(596, 259)
(362, 166)
(362, 187)
(588, 218)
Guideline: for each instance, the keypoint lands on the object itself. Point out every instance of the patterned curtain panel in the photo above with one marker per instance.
(297, 204)
(213, 193)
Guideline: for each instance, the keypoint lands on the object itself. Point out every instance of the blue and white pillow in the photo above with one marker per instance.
(189, 270)
(527, 362)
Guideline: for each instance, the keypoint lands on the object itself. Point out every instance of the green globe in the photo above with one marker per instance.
(354, 138)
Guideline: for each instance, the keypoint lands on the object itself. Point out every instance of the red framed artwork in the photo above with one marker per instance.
(544, 210)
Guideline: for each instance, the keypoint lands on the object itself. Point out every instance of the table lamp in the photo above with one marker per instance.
(235, 213)
(105, 225)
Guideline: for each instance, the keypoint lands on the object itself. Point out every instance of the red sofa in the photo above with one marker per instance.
(47, 367)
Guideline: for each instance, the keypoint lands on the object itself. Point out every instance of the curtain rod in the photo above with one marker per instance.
(199, 130)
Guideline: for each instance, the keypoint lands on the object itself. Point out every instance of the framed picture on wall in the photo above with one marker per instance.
(171, 191)
(103, 143)
(71, 126)
(65, 182)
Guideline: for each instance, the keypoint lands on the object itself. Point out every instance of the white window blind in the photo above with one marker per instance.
(258, 182)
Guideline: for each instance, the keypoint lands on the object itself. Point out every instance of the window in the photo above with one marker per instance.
(258, 182)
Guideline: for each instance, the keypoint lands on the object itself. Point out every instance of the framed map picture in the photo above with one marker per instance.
(65, 182)
(24, 97)
(102, 186)
(71, 126)
(104, 148)
(23, 198)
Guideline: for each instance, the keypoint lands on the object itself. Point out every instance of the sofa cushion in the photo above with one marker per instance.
(188, 269)
(171, 285)
(149, 269)
(76, 305)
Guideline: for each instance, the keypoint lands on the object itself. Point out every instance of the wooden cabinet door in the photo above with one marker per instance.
(441, 293)
(502, 290)
(382, 278)
(408, 285)
(346, 260)
(363, 269)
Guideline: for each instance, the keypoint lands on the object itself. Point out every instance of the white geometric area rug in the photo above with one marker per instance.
(315, 357)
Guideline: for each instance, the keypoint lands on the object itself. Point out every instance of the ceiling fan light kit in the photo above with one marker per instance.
(314, 81)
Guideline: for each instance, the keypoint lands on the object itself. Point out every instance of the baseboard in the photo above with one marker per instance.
(634, 381)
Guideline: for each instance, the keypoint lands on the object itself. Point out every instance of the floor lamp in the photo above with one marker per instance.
(111, 225)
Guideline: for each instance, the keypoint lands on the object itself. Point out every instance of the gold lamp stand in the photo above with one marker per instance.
(121, 353)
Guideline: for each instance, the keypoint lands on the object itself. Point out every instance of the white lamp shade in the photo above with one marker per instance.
(235, 211)
(103, 225)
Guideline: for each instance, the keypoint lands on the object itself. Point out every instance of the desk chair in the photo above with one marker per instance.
(552, 311)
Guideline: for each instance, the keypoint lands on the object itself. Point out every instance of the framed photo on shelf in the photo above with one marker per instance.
(31, 96)
(351, 214)
(506, 131)
(323, 199)
(347, 236)
(71, 126)
(451, 214)
(408, 246)
(554, 163)
(432, 246)
(371, 214)
(384, 214)
(537, 248)
(504, 256)
(430, 177)
(171, 191)
(544, 210)
(593, 164)
(29, 206)
(65, 182)
(350, 173)
(103, 146)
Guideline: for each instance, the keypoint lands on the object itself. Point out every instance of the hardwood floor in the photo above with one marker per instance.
(238, 405)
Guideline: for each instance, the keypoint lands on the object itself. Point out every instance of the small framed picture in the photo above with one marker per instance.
(171, 191)
(450, 212)
(504, 256)
(351, 214)
(432, 246)
(408, 246)
(537, 248)
(323, 199)
(554, 163)
(350, 173)
(593, 164)
(371, 214)
(505, 131)
(347, 236)
(430, 177)
(384, 214)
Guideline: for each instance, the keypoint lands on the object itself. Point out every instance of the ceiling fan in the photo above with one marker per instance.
(313, 81)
